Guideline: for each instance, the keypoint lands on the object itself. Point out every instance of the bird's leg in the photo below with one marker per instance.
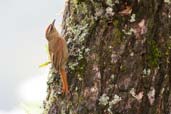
(64, 80)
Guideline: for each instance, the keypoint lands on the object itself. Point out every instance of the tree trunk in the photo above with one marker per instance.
(120, 58)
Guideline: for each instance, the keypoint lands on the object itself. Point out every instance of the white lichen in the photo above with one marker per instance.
(76, 88)
(132, 18)
(72, 65)
(169, 37)
(138, 96)
(87, 50)
(151, 95)
(109, 2)
(167, 1)
(79, 32)
(110, 47)
(79, 77)
(104, 100)
(110, 107)
(109, 11)
(132, 54)
(116, 99)
(93, 89)
(169, 16)
(162, 90)
(114, 58)
(129, 32)
(69, 40)
(112, 76)
(99, 12)
(147, 72)
(132, 92)
(116, 1)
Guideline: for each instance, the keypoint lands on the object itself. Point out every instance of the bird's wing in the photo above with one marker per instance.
(58, 55)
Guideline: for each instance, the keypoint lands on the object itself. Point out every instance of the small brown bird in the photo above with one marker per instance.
(58, 53)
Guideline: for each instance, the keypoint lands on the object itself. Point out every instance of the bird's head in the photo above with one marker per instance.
(51, 31)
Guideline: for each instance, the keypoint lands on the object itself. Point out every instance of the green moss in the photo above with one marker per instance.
(116, 23)
(169, 45)
(82, 8)
(75, 2)
(145, 7)
(154, 53)
(78, 1)
(81, 67)
(151, 25)
(109, 2)
(117, 37)
(79, 25)
(117, 33)
(123, 68)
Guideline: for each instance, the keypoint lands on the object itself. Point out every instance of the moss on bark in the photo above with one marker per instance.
(115, 66)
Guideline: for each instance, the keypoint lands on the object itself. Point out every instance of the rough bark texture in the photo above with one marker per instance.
(120, 63)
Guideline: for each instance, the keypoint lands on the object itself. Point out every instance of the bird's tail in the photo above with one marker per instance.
(64, 80)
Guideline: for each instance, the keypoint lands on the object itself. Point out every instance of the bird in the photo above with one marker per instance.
(58, 52)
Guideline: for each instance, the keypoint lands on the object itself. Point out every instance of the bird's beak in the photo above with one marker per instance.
(53, 23)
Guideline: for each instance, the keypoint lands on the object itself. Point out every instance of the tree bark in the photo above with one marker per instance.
(120, 58)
